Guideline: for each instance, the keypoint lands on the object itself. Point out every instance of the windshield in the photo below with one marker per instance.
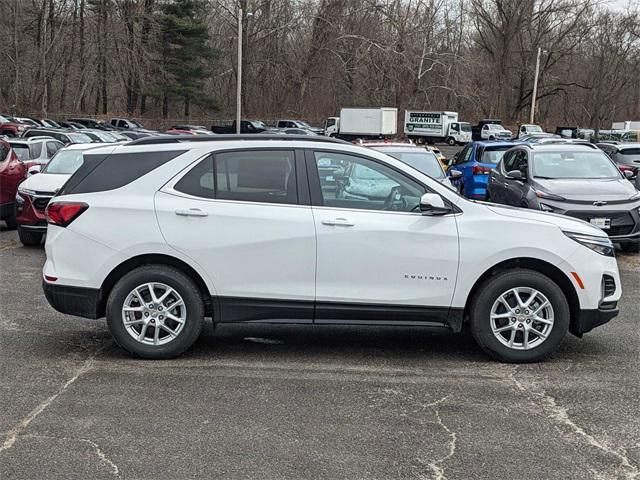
(258, 124)
(64, 162)
(423, 161)
(79, 138)
(576, 165)
(4, 119)
(22, 151)
(631, 153)
(465, 127)
(303, 124)
(137, 124)
(534, 129)
(493, 154)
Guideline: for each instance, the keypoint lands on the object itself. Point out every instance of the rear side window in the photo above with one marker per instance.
(4, 150)
(250, 176)
(36, 149)
(100, 173)
(256, 176)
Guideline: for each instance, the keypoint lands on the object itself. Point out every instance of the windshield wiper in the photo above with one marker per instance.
(545, 178)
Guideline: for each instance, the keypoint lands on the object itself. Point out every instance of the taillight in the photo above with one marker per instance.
(63, 213)
(479, 170)
(625, 168)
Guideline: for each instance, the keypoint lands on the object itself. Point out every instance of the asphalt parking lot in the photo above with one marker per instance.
(308, 402)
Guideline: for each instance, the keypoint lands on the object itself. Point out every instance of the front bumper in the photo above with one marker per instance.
(624, 218)
(587, 320)
(31, 211)
(78, 301)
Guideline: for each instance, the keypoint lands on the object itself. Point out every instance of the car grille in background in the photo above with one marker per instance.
(608, 286)
(40, 203)
(621, 222)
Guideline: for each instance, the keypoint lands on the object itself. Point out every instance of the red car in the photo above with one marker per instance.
(12, 172)
(10, 127)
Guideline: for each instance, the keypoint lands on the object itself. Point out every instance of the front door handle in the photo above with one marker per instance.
(338, 222)
(192, 212)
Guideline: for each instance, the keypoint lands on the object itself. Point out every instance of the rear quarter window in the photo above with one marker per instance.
(100, 172)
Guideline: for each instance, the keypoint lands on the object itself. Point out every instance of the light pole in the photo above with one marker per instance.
(535, 87)
(239, 77)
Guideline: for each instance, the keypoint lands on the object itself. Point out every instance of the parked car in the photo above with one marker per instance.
(537, 137)
(65, 136)
(626, 155)
(439, 155)
(10, 127)
(570, 179)
(136, 134)
(476, 161)
(35, 152)
(12, 172)
(527, 129)
(102, 136)
(179, 131)
(35, 193)
(299, 125)
(194, 129)
(490, 129)
(91, 123)
(72, 125)
(47, 122)
(267, 242)
(246, 126)
(298, 131)
(575, 132)
(423, 160)
(28, 121)
(126, 123)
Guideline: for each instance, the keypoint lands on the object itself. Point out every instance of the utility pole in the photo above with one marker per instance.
(535, 88)
(239, 76)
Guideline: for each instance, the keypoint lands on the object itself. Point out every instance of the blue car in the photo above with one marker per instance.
(475, 161)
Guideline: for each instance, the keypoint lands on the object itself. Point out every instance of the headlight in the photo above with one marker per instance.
(549, 196)
(19, 199)
(25, 191)
(601, 245)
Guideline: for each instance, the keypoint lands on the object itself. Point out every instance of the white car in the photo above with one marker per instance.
(161, 232)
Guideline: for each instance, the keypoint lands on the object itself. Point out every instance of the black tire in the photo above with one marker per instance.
(630, 247)
(30, 239)
(175, 279)
(11, 222)
(451, 141)
(490, 291)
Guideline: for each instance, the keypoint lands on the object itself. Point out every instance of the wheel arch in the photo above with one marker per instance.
(153, 259)
(541, 266)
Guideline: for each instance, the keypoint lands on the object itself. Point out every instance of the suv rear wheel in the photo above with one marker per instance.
(519, 316)
(155, 312)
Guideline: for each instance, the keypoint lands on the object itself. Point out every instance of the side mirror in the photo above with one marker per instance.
(455, 174)
(34, 169)
(432, 204)
(515, 175)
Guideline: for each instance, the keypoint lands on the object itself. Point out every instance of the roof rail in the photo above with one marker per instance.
(567, 141)
(227, 137)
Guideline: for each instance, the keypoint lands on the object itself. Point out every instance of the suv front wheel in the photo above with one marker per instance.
(155, 311)
(519, 316)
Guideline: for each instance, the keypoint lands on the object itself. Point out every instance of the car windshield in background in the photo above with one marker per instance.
(79, 138)
(535, 129)
(22, 151)
(139, 125)
(630, 153)
(465, 127)
(64, 162)
(423, 161)
(493, 154)
(573, 165)
(4, 119)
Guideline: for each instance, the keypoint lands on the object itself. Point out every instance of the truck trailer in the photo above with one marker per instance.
(363, 123)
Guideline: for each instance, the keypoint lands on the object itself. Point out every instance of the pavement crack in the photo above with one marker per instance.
(560, 415)
(13, 434)
(436, 465)
(101, 455)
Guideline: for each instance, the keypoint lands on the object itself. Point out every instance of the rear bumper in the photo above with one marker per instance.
(477, 187)
(78, 301)
(587, 320)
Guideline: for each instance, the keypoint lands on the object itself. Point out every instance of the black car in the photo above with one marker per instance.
(578, 180)
(91, 123)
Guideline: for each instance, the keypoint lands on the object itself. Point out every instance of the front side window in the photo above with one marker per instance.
(509, 161)
(347, 181)
(52, 148)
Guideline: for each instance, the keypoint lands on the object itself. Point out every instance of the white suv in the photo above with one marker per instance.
(162, 232)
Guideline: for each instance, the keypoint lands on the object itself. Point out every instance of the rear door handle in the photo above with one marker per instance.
(192, 212)
(338, 222)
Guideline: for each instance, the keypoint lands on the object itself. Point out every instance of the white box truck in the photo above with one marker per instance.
(355, 123)
(626, 125)
(434, 127)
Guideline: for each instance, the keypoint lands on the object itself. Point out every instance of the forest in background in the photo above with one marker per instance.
(176, 59)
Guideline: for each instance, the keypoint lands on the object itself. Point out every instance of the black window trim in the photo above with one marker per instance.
(303, 195)
(317, 200)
